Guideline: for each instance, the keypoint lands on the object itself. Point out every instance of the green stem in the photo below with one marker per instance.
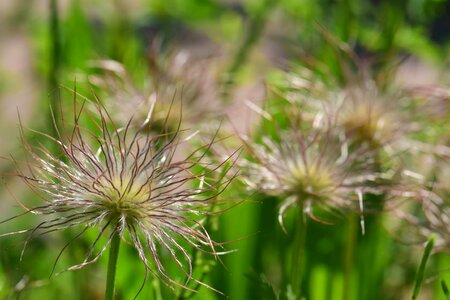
(55, 50)
(298, 254)
(421, 272)
(112, 264)
(250, 38)
(55, 62)
(352, 232)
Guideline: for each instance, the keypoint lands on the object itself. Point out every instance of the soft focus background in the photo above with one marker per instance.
(224, 54)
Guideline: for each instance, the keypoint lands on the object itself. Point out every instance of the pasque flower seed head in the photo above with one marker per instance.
(125, 183)
(312, 165)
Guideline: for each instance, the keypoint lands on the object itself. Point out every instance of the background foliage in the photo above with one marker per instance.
(249, 45)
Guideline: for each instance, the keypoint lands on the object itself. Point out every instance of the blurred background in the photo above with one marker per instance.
(224, 54)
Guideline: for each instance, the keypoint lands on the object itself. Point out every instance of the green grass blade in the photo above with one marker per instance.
(421, 272)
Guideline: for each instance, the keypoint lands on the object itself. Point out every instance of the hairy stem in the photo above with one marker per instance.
(298, 254)
(112, 264)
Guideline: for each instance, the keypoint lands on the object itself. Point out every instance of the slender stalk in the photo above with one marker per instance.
(371, 265)
(349, 254)
(421, 272)
(55, 62)
(55, 44)
(298, 254)
(112, 264)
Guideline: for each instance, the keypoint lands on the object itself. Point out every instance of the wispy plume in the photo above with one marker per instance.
(119, 182)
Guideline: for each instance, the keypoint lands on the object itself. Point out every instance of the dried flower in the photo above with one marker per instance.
(127, 184)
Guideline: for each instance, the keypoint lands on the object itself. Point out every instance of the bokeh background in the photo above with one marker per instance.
(224, 53)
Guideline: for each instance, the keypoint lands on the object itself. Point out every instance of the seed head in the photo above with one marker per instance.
(367, 121)
(311, 165)
(127, 184)
(364, 113)
(433, 101)
(436, 206)
(155, 105)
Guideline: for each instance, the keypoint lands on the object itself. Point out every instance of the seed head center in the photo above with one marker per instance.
(367, 122)
(311, 181)
(125, 197)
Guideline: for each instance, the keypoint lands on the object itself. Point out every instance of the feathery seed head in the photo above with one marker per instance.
(437, 207)
(128, 184)
(153, 107)
(310, 165)
(363, 113)
(366, 121)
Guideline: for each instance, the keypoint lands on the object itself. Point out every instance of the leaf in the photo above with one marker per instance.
(264, 287)
(445, 290)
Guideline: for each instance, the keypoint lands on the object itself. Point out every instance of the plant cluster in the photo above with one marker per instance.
(184, 164)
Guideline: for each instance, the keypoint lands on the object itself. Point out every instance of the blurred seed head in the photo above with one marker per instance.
(364, 113)
(421, 202)
(368, 121)
(436, 208)
(313, 165)
(175, 85)
(370, 117)
(433, 100)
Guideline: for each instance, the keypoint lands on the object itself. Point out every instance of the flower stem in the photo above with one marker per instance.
(298, 254)
(421, 272)
(112, 264)
(55, 62)
(352, 232)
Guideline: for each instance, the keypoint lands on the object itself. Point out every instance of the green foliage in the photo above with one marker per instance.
(339, 43)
